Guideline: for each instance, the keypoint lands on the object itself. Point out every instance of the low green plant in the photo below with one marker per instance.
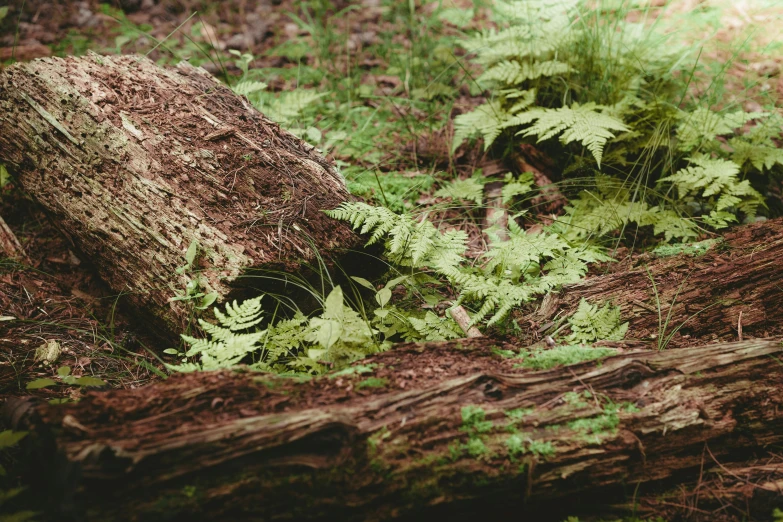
(591, 323)
(540, 359)
(513, 271)
(616, 91)
(336, 337)
(8, 490)
(64, 377)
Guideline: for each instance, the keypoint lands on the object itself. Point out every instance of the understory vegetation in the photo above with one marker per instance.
(645, 152)
(498, 151)
(439, 118)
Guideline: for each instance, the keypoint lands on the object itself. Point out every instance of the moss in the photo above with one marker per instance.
(373, 382)
(476, 448)
(506, 354)
(473, 420)
(542, 448)
(692, 249)
(353, 370)
(576, 400)
(563, 355)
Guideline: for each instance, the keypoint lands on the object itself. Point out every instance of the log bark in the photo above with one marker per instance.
(135, 162)
(446, 429)
(737, 282)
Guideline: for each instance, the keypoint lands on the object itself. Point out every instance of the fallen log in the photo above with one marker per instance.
(724, 291)
(452, 427)
(443, 428)
(135, 163)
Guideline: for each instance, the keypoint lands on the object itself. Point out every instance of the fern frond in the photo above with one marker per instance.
(591, 323)
(516, 186)
(582, 123)
(470, 189)
(240, 317)
(761, 156)
(486, 121)
(511, 72)
(248, 87)
(714, 177)
(434, 328)
(704, 125)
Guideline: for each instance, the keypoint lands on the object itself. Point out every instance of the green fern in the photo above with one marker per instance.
(517, 186)
(591, 323)
(610, 208)
(758, 146)
(300, 344)
(434, 328)
(512, 72)
(226, 345)
(717, 181)
(409, 243)
(248, 87)
(512, 269)
(284, 108)
(582, 123)
(486, 121)
(703, 125)
(471, 189)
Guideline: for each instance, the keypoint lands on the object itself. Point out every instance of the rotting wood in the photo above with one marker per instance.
(453, 427)
(698, 296)
(135, 162)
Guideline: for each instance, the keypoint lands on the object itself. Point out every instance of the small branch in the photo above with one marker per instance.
(10, 245)
(497, 215)
(460, 315)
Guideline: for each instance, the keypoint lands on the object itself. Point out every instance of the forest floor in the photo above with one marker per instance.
(57, 304)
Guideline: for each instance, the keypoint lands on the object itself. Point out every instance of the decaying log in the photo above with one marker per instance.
(738, 281)
(134, 162)
(453, 427)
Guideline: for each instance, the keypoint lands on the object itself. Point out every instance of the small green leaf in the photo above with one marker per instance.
(313, 135)
(5, 177)
(365, 283)
(90, 381)
(9, 438)
(171, 351)
(333, 306)
(40, 383)
(383, 296)
(64, 371)
(397, 280)
(190, 255)
(327, 332)
(207, 300)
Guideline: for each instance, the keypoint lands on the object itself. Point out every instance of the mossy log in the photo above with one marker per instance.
(135, 162)
(448, 429)
(442, 428)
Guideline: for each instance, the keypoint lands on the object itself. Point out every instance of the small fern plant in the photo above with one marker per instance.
(611, 92)
(592, 323)
(300, 344)
(512, 271)
(229, 341)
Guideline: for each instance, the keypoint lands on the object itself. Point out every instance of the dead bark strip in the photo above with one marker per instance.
(135, 162)
(738, 281)
(450, 427)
